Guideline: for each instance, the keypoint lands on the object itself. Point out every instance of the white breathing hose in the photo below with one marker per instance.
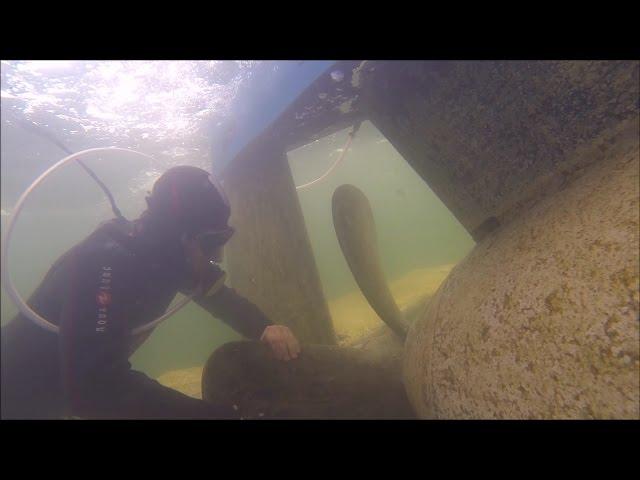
(6, 277)
(335, 164)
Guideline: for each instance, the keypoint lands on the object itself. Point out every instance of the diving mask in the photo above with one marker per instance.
(210, 240)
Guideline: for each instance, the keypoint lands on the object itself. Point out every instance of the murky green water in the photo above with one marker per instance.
(414, 228)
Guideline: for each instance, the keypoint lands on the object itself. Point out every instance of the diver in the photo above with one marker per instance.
(123, 275)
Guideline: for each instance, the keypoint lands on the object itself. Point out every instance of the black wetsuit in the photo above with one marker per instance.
(96, 293)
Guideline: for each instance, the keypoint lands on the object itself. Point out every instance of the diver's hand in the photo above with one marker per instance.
(283, 343)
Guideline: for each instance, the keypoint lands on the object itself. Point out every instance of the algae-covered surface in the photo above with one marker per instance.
(541, 319)
(325, 382)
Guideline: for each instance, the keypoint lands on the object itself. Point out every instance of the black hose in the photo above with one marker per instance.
(36, 129)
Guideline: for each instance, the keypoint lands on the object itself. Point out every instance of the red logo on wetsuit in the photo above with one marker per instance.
(103, 298)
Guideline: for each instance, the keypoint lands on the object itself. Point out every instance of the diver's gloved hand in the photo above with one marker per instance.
(283, 343)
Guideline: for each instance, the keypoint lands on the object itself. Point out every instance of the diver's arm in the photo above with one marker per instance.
(236, 311)
(232, 308)
(243, 316)
(94, 338)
